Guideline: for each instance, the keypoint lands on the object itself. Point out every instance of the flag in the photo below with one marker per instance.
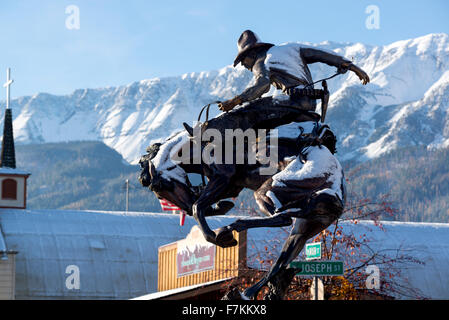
(168, 206)
(182, 217)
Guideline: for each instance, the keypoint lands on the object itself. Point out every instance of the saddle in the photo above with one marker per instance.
(323, 94)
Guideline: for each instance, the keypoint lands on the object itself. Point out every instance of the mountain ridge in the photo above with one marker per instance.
(88, 175)
(405, 103)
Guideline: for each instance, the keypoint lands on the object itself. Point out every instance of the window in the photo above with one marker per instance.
(9, 189)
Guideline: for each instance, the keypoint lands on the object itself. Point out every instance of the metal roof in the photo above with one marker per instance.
(425, 242)
(116, 252)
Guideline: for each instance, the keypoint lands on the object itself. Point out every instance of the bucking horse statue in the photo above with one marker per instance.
(301, 185)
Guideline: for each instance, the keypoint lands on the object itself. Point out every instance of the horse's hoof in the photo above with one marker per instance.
(231, 243)
(234, 294)
(225, 238)
(248, 293)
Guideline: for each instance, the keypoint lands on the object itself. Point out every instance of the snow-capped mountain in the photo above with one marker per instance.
(406, 103)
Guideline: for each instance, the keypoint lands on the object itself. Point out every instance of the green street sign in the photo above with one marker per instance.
(318, 268)
(313, 251)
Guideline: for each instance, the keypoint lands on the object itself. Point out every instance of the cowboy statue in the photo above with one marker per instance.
(284, 66)
(305, 190)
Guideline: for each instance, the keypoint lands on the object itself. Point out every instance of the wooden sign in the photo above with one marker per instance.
(178, 267)
(194, 254)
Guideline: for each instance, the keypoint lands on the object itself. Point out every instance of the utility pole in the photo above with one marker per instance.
(127, 194)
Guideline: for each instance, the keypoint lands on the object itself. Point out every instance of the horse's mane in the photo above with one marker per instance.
(163, 156)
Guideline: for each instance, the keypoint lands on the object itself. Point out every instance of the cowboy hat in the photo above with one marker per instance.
(248, 40)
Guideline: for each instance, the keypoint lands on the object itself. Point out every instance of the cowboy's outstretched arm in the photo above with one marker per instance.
(312, 55)
(261, 86)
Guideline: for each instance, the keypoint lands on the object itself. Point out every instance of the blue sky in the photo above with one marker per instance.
(119, 42)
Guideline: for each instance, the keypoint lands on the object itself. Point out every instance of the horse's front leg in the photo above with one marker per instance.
(207, 198)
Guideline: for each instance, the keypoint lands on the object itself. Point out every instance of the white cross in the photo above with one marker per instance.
(7, 84)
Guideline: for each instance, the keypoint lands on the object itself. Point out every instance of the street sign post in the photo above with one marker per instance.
(317, 289)
(318, 268)
(313, 251)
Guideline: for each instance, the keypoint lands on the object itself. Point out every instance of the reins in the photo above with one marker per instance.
(328, 78)
(203, 126)
(207, 107)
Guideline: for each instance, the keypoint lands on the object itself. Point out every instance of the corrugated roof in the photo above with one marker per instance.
(426, 242)
(116, 252)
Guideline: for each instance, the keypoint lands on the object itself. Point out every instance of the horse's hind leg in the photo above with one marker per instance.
(267, 206)
(225, 238)
(324, 210)
(301, 232)
(267, 201)
(292, 247)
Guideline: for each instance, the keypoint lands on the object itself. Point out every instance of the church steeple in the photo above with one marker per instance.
(8, 155)
(13, 182)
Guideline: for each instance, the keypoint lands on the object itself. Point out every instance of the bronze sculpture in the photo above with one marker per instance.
(307, 187)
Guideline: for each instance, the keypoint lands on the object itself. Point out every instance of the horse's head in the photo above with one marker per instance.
(164, 176)
(144, 162)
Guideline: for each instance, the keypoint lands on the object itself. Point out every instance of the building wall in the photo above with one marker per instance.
(228, 264)
(20, 201)
(7, 278)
